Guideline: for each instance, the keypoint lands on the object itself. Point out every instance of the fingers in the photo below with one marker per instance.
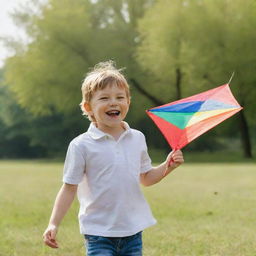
(52, 243)
(169, 157)
(177, 157)
(49, 238)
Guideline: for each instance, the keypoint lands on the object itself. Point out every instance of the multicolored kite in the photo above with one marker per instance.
(184, 120)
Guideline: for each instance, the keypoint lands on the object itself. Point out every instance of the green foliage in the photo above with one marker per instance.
(171, 41)
(164, 43)
(67, 38)
(23, 135)
(206, 41)
(14, 142)
(47, 74)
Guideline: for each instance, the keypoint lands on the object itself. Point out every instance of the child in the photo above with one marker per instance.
(105, 167)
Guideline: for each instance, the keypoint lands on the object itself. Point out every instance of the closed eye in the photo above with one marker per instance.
(103, 98)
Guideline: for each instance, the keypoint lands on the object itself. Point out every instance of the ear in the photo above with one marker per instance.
(129, 101)
(87, 107)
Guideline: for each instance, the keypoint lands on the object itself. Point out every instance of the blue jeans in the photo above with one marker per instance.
(114, 246)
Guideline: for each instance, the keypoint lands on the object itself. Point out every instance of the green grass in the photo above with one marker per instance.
(202, 209)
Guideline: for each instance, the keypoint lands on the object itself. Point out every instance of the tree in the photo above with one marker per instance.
(46, 74)
(201, 40)
(23, 135)
(68, 37)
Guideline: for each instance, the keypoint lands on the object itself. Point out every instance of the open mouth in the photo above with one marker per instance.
(113, 113)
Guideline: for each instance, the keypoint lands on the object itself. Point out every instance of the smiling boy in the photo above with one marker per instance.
(105, 167)
(108, 107)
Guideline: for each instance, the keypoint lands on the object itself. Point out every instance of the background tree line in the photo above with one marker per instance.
(171, 49)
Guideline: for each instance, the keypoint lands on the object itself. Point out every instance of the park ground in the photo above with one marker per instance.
(203, 209)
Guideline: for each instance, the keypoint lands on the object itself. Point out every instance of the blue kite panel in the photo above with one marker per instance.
(192, 106)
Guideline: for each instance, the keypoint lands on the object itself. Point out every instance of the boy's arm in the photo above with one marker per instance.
(62, 203)
(156, 174)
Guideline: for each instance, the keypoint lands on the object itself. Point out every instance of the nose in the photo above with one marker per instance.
(113, 102)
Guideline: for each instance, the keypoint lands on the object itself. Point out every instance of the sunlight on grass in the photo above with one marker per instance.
(202, 209)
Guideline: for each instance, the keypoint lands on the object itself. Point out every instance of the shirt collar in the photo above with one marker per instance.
(96, 133)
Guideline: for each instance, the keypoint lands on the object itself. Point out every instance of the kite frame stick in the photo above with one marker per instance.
(231, 77)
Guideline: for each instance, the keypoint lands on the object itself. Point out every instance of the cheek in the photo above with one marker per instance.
(126, 108)
(97, 107)
(101, 111)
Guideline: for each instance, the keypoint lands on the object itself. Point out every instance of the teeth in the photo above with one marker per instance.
(113, 112)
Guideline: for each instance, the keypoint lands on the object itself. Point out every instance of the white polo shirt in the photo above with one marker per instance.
(108, 174)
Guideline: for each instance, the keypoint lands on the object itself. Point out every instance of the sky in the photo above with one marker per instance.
(7, 26)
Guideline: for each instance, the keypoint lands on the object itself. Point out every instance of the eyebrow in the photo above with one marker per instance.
(107, 94)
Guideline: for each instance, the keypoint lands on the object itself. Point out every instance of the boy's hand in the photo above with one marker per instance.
(174, 159)
(50, 235)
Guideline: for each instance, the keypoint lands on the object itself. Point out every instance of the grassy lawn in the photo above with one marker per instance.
(202, 209)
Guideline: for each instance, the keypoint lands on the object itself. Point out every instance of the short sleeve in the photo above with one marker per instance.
(74, 166)
(146, 164)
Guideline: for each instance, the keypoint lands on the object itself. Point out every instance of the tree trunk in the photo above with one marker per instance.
(178, 84)
(154, 99)
(148, 95)
(245, 136)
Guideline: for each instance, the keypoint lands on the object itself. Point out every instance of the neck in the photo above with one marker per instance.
(113, 131)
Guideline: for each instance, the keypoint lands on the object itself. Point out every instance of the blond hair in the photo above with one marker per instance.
(103, 74)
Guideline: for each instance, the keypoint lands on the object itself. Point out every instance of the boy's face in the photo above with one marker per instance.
(109, 107)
